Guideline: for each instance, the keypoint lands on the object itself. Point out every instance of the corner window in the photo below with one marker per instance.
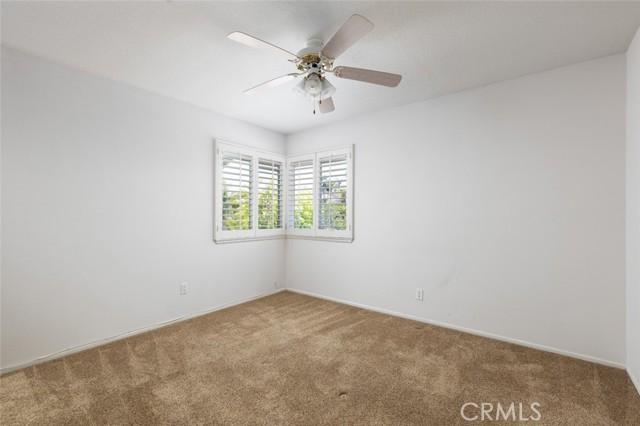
(264, 195)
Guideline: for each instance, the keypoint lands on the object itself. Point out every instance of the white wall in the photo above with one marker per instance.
(633, 211)
(514, 217)
(107, 206)
(505, 203)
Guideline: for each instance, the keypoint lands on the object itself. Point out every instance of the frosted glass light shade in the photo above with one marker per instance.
(314, 87)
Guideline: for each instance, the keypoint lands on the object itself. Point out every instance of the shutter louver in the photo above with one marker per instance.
(269, 194)
(237, 191)
(300, 212)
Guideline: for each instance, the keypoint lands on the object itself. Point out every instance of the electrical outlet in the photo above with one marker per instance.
(419, 294)
(183, 288)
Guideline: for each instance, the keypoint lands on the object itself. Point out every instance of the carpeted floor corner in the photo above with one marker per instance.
(289, 359)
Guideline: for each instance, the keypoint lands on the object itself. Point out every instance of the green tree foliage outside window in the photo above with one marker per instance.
(303, 212)
(333, 205)
(236, 209)
(269, 206)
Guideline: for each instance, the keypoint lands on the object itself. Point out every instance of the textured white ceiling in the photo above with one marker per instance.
(180, 49)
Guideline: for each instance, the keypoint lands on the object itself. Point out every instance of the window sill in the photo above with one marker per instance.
(247, 239)
(315, 237)
(284, 237)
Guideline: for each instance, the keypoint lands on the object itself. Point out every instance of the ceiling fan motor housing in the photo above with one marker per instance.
(314, 46)
(310, 57)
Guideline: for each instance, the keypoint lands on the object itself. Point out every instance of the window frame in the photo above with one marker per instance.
(285, 230)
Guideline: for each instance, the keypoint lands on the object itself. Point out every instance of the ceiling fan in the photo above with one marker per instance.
(316, 60)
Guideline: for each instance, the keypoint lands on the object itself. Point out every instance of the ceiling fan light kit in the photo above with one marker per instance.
(316, 60)
(315, 88)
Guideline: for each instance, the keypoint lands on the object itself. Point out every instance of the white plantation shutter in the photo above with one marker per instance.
(237, 192)
(270, 193)
(300, 211)
(334, 193)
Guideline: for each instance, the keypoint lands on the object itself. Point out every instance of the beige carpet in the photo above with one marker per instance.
(289, 359)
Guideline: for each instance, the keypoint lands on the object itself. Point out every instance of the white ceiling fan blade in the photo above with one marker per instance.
(260, 44)
(327, 106)
(353, 30)
(271, 83)
(368, 76)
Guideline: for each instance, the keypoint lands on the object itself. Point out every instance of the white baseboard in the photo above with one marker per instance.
(634, 380)
(100, 342)
(96, 343)
(467, 330)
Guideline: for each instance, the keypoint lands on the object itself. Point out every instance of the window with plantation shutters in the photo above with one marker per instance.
(249, 193)
(319, 194)
(264, 195)
(270, 190)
